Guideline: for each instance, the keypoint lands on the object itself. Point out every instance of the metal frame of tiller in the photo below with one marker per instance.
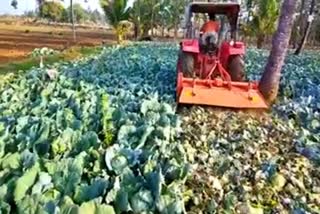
(216, 91)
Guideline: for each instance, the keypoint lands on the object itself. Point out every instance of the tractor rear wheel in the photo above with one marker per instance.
(236, 68)
(187, 63)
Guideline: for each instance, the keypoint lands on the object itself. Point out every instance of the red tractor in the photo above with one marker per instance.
(211, 72)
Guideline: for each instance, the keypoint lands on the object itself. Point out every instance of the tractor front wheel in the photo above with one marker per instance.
(187, 63)
(236, 68)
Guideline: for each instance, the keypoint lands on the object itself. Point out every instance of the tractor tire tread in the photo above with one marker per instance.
(236, 68)
(187, 63)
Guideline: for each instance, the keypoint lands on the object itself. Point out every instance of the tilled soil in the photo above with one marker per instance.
(17, 41)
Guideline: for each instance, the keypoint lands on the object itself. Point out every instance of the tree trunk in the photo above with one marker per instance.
(136, 34)
(269, 83)
(307, 29)
(72, 21)
(294, 35)
(137, 25)
(152, 22)
(175, 29)
(260, 41)
(302, 18)
(119, 38)
(313, 37)
(145, 31)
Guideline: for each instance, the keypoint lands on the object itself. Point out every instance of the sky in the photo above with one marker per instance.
(27, 5)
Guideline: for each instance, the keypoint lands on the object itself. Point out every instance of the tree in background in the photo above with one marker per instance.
(80, 14)
(39, 3)
(39, 10)
(141, 16)
(178, 8)
(135, 18)
(264, 15)
(163, 16)
(30, 14)
(95, 16)
(298, 23)
(307, 29)
(150, 14)
(269, 84)
(117, 13)
(14, 4)
(52, 10)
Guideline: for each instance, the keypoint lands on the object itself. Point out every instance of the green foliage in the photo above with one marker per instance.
(264, 15)
(143, 14)
(53, 157)
(25, 182)
(116, 12)
(86, 193)
(94, 208)
(106, 121)
(62, 123)
(30, 14)
(147, 14)
(52, 10)
(80, 14)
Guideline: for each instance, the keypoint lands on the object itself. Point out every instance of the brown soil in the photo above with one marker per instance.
(17, 41)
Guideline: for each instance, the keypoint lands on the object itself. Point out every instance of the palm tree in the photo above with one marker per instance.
(269, 83)
(117, 13)
(264, 18)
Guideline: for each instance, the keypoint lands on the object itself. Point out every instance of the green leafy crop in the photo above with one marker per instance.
(103, 135)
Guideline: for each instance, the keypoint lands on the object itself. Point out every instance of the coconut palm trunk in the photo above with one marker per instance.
(269, 83)
(307, 29)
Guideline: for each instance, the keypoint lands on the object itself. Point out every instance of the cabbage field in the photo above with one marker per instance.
(104, 135)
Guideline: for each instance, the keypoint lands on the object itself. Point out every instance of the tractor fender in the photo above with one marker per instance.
(190, 45)
(228, 49)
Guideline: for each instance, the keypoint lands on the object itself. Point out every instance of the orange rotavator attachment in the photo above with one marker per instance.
(219, 91)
